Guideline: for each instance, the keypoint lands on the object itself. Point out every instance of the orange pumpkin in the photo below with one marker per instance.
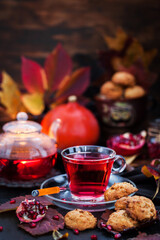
(78, 125)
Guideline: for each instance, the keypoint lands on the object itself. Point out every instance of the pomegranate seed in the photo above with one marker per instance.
(12, 201)
(109, 227)
(117, 235)
(56, 217)
(21, 213)
(42, 212)
(41, 207)
(32, 224)
(76, 231)
(37, 202)
(34, 216)
(1, 228)
(103, 224)
(94, 237)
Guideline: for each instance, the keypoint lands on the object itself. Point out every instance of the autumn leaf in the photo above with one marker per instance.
(153, 170)
(117, 43)
(10, 96)
(34, 103)
(57, 66)
(57, 235)
(47, 224)
(33, 76)
(76, 84)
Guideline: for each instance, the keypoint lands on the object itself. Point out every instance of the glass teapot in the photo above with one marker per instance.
(25, 152)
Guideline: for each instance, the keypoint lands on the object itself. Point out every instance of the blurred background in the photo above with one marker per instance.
(33, 29)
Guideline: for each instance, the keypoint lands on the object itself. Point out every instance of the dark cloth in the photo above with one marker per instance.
(146, 186)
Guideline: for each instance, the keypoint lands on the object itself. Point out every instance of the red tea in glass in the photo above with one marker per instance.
(26, 169)
(88, 169)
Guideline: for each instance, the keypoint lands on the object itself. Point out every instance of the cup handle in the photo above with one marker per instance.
(122, 166)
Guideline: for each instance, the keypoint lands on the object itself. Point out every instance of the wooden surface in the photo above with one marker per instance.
(33, 28)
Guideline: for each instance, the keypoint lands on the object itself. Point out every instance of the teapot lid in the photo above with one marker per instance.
(22, 125)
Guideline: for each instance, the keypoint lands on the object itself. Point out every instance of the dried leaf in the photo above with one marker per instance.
(135, 52)
(76, 85)
(118, 42)
(10, 96)
(34, 103)
(151, 171)
(47, 224)
(146, 171)
(57, 235)
(145, 236)
(57, 66)
(10, 207)
(33, 76)
(157, 189)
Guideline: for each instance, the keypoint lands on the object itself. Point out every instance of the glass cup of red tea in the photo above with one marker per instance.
(89, 168)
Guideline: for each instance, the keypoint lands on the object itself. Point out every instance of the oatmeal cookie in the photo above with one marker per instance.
(120, 220)
(80, 219)
(111, 90)
(124, 79)
(134, 92)
(121, 203)
(118, 190)
(141, 208)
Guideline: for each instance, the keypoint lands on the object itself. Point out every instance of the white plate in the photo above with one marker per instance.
(65, 200)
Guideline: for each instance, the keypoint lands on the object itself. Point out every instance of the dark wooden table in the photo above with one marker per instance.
(9, 221)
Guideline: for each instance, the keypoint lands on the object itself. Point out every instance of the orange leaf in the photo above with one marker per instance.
(57, 66)
(118, 42)
(146, 172)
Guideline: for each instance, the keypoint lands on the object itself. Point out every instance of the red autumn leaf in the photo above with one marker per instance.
(47, 224)
(33, 76)
(76, 85)
(57, 66)
(9, 207)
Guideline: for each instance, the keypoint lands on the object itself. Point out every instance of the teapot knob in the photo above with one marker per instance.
(22, 116)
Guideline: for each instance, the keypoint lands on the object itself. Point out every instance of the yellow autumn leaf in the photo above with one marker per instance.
(10, 96)
(34, 103)
(117, 42)
(135, 52)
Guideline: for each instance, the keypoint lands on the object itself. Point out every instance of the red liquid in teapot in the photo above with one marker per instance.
(88, 179)
(26, 169)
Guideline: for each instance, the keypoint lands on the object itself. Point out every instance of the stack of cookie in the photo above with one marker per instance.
(122, 86)
(131, 212)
